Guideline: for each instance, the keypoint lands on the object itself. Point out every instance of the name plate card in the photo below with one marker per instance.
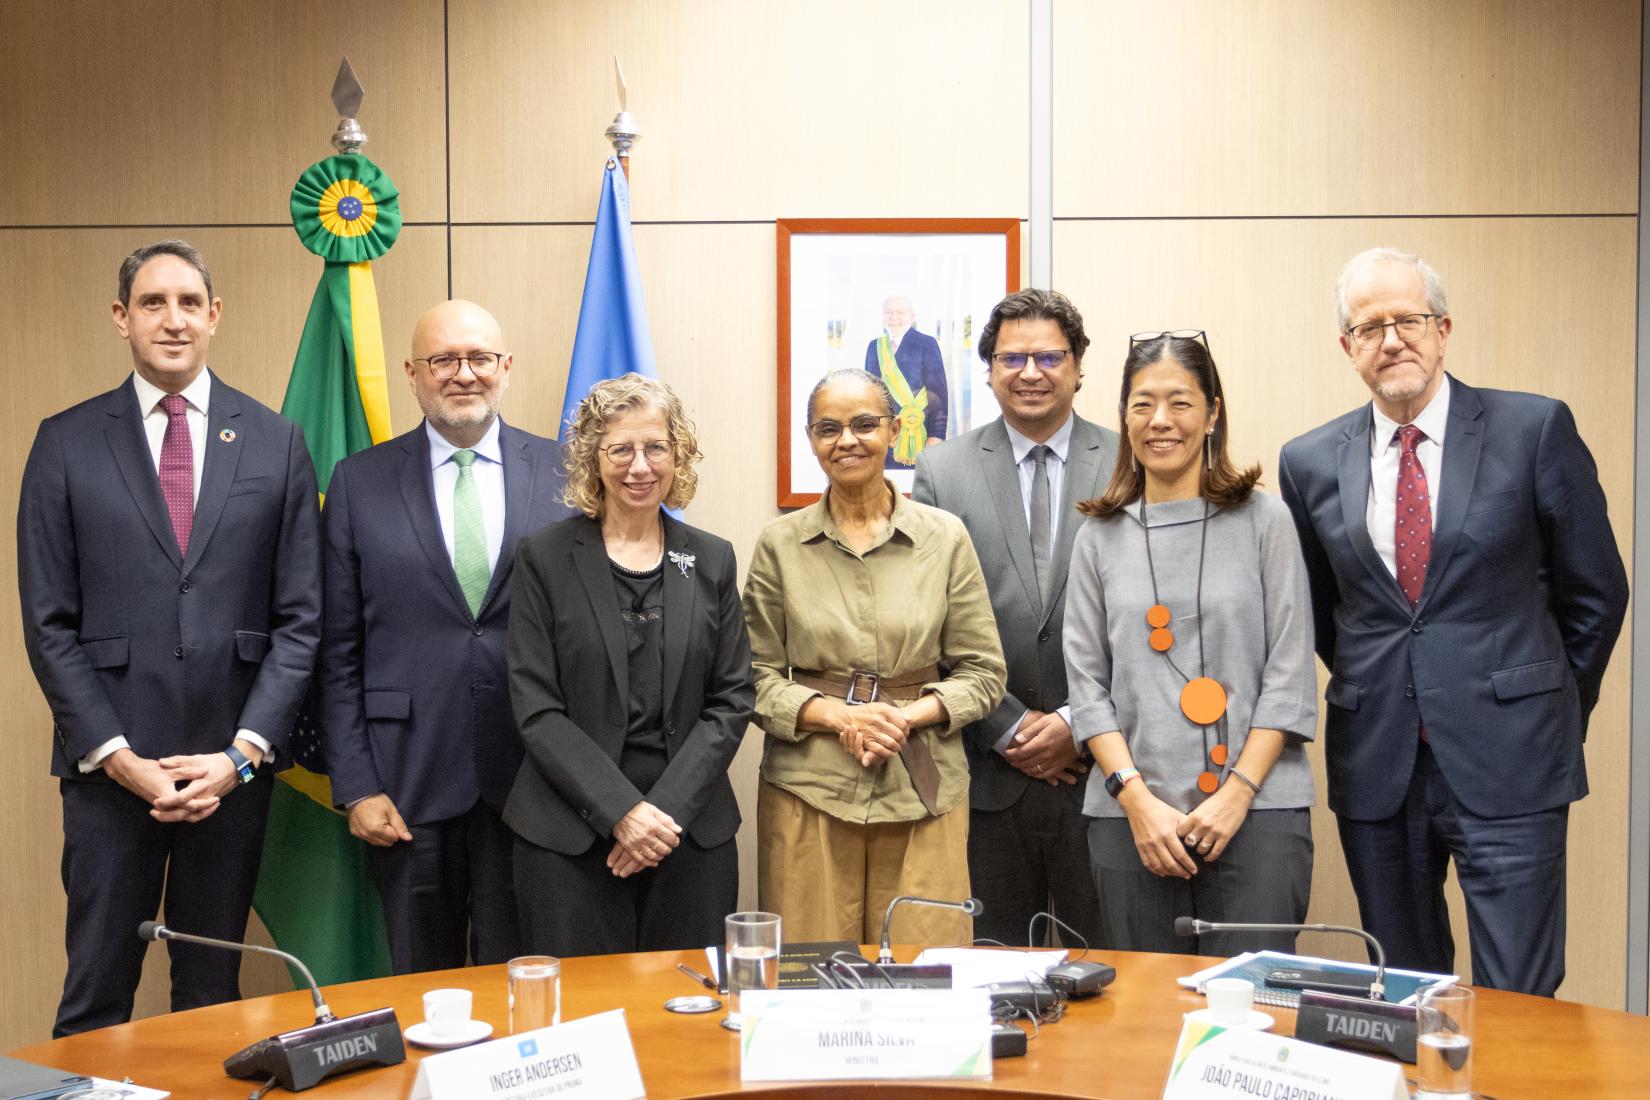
(1216, 1063)
(857, 1034)
(590, 1057)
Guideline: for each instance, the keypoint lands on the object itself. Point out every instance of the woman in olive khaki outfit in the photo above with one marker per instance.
(865, 799)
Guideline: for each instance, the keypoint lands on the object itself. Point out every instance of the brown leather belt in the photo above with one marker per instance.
(862, 686)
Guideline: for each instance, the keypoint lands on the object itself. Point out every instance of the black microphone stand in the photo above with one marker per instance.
(299, 1059)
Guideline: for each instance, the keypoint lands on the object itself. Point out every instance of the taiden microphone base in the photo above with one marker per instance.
(300, 1059)
(1331, 1020)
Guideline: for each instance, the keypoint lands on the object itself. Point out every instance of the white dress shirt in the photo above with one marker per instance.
(1059, 444)
(488, 472)
(197, 394)
(1381, 515)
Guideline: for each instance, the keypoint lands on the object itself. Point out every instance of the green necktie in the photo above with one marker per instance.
(469, 534)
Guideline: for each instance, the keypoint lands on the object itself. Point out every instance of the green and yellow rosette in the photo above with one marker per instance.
(346, 210)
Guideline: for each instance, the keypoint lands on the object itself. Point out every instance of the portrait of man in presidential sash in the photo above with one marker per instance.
(910, 364)
(903, 299)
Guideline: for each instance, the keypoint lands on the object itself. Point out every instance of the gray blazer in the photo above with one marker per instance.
(973, 477)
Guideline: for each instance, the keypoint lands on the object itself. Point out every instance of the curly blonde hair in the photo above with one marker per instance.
(615, 397)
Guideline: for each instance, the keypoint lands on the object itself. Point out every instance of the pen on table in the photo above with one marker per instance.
(696, 976)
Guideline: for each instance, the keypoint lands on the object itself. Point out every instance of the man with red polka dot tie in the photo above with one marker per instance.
(168, 559)
(1467, 592)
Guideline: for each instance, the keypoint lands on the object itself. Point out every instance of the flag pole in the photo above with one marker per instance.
(622, 131)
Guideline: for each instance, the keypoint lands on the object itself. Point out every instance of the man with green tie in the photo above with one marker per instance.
(420, 536)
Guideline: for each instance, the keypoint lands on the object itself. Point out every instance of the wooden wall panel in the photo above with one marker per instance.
(749, 109)
(1540, 304)
(201, 112)
(1277, 107)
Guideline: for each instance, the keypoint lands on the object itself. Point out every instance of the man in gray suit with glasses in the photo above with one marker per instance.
(1015, 484)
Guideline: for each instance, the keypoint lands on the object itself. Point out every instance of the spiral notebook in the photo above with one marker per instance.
(1402, 986)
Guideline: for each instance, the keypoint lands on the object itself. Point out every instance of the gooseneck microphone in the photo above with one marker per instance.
(970, 906)
(1189, 926)
(154, 930)
(304, 1057)
(1329, 1019)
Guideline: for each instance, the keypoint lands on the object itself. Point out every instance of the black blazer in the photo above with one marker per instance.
(127, 636)
(569, 682)
(415, 703)
(1503, 656)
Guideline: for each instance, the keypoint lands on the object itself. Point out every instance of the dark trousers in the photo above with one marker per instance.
(574, 905)
(449, 893)
(120, 865)
(1511, 871)
(1030, 858)
(1264, 876)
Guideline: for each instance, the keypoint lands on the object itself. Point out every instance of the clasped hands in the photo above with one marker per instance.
(1165, 838)
(872, 733)
(206, 778)
(642, 838)
(1042, 748)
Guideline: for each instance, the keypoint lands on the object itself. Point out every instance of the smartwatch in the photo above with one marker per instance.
(1116, 780)
(243, 766)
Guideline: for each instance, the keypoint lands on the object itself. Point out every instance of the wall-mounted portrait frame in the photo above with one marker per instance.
(903, 298)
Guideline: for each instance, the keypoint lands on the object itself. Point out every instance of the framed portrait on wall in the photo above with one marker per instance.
(902, 298)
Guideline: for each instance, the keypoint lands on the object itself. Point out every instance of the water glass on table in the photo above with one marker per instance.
(751, 956)
(535, 992)
(1443, 1053)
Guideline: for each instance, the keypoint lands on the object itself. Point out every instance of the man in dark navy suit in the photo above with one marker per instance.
(1467, 592)
(169, 568)
(915, 378)
(421, 535)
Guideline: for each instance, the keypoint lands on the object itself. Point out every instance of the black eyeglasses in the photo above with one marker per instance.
(1016, 360)
(1410, 328)
(1174, 334)
(829, 431)
(444, 366)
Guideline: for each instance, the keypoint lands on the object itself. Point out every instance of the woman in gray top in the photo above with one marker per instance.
(1188, 644)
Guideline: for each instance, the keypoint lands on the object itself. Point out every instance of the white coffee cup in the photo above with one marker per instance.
(1230, 1000)
(447, 1011)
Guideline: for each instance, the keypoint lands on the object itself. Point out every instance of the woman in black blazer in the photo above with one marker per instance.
(630, 678)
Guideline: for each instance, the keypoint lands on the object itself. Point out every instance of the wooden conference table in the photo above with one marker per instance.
(1116, 1045)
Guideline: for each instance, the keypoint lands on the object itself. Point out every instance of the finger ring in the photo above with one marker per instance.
(1208, 842)
(1191, 840)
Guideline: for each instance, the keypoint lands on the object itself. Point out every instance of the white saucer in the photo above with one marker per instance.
(420, 1035)
(1257, 1021)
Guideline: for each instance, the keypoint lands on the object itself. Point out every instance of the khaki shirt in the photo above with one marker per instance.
(914, 599)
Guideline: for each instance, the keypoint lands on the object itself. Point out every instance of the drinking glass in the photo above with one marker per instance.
(535, 992)
(751, 957)
(1443, 1054)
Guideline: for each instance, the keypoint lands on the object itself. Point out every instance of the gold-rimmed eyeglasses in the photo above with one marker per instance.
(1372, 334)
(656, 451)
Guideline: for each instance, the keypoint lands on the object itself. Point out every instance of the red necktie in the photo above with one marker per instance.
(1413, 527)
(177, 469)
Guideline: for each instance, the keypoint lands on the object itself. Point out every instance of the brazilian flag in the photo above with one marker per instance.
(315, 891)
